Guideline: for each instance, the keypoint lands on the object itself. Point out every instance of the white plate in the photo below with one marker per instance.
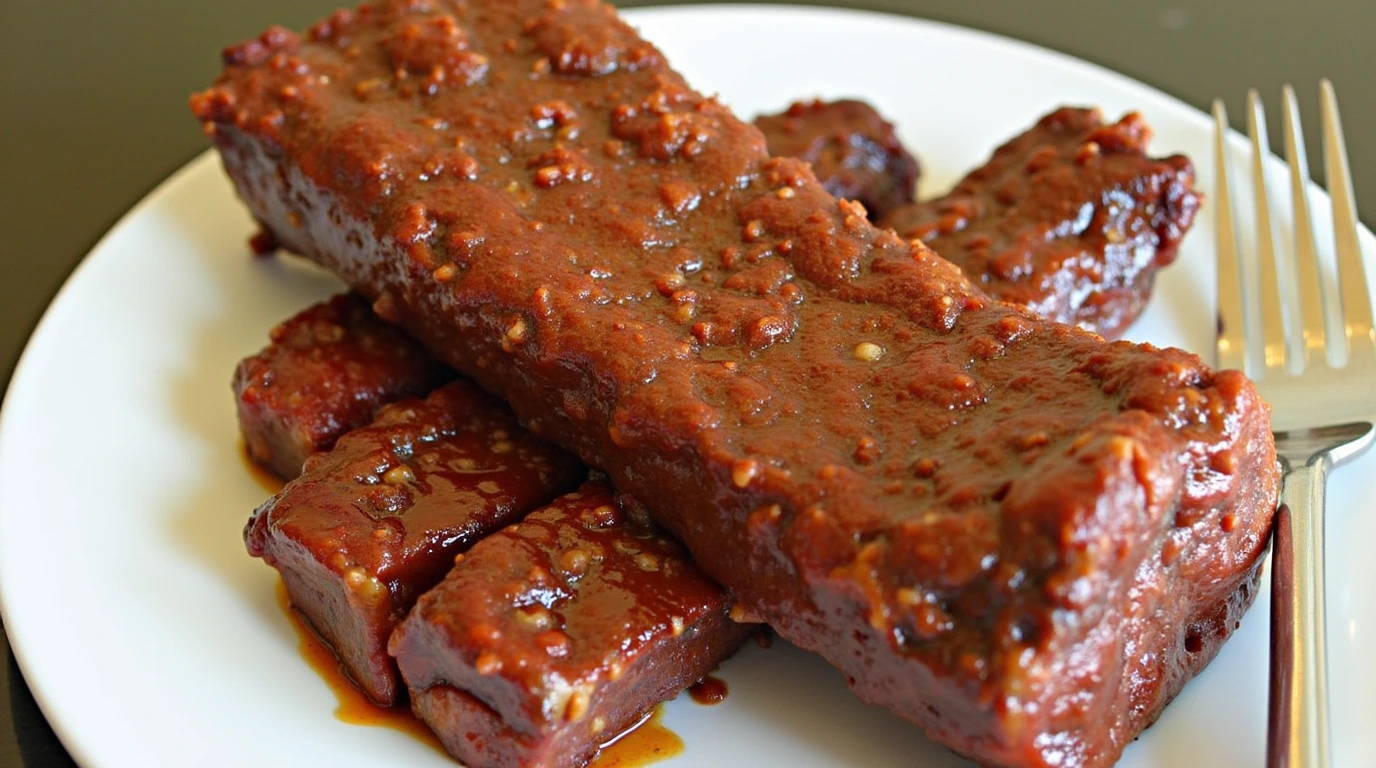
(149, 636)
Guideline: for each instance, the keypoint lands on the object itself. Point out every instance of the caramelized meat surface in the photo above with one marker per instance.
(1070, 219)
(373, 523)
(854, 152)
(1005, 529)
(556, 634)
(325, 372)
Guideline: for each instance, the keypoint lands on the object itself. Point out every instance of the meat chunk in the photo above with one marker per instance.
(377, 520)
(855, 153)
(641, 620)
(1071, 219)
(1005, 529)
(555, 634)
(327, 370)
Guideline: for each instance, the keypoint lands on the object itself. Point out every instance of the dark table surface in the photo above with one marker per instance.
(93, 115)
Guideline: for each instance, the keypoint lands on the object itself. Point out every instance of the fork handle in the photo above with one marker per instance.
(1297, 736)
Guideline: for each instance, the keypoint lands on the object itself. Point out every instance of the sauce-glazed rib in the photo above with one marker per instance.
(326, 371)
(1007, 530)
(854, 152)
(330, 367)
(556, 634)
(1070, 218)
(373, 523)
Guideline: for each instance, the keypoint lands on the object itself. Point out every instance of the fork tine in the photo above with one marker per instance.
(1356, 300)
(1231, 349)
(1311, 343)
(1272, 317)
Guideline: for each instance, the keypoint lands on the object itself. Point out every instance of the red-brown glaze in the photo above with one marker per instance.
(376, 521)
(1002, 528)
(1071, 219)
(327, 370)
(554, 634)
(854, 152)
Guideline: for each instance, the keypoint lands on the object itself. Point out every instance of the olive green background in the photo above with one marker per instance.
(93, 115)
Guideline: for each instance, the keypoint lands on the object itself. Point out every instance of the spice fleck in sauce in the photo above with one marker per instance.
(648, 742)
(708, 691)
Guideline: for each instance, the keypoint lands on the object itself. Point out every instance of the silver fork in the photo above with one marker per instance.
(1322, 411)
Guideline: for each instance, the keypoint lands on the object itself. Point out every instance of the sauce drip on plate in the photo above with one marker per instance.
(354, 708)
(648, 742)
(708, 691)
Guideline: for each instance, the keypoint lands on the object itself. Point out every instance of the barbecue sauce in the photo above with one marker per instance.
(708, 691)
(648, 742)
(354, 708)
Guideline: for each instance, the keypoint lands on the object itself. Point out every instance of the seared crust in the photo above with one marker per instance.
(982, 518)
(1071, 219)
(854, 152)
(327, 370)
(556, 634)
(376, 521)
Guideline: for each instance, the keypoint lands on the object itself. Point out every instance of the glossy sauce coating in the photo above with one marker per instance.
(1070, 218)
(327, 370)
(376, 521)
(556, 633)
(1003, 529)
(854, 152)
